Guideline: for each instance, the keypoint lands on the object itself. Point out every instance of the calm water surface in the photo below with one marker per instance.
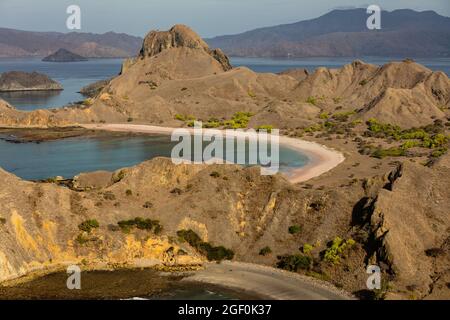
(75, 75)
(72, 76)
(69, 157)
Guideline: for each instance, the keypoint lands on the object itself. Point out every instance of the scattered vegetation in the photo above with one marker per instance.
(88, 225)
(212, 253)
(294, 262)
(336, 249)
(324, 116)
(140, 223)
(430, 137)
(295, 229)
(265, 251)
(128, 192)
(265, 127)
(312, 100)
(239, 120)
(307, 248)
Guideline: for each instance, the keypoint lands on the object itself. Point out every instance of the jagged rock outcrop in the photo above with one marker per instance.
(180, 36)
(27, 81)
(409, 218)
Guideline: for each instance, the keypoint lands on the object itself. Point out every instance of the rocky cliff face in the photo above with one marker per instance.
(237, 208)
(24, 81)
(177, 37)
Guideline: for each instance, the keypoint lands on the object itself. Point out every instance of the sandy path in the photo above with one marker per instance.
(267, 282)
(321, 158)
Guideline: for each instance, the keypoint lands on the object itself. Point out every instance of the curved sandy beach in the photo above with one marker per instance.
(321, 158)
(270, 283)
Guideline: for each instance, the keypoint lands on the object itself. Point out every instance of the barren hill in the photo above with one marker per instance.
(177, 75)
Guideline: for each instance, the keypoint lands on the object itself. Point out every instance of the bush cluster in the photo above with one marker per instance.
(88, 225)
(141, 224)
(212, 253)
(294, 262)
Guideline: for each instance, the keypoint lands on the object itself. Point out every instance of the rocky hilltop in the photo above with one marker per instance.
(63, 55)
(24, 81)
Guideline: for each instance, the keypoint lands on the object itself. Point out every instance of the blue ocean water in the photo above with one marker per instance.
(75, 75)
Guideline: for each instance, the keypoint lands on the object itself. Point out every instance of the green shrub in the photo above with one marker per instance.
(265, 127)
(337, 248)
(212, 253)
(180, 117)
(88, 225)
(251, 94)
(391, 152)
(307, 248)
(311, 100)
(265, 251)
(139, 223)
(295, 229)
(128, 192)
(294, 262)
(314, 128)
(439, 152)
(324, 116)
(343, 116)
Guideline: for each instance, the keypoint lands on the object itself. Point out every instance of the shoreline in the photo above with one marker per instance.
(266, 281)
(246, 280)
(321, 158)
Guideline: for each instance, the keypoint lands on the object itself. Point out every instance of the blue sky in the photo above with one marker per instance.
(207, 17)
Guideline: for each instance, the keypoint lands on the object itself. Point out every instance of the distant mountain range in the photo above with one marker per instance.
(17, 43)
(405, 33)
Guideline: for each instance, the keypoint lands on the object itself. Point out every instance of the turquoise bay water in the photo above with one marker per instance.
(69, 157)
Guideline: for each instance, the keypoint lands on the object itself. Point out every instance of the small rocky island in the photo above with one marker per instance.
(25, 81)
(63, 55)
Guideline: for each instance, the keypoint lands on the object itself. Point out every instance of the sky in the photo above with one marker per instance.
(207, 17)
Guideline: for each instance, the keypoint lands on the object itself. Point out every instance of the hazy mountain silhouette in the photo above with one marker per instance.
(17, 43)
(344, 33)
